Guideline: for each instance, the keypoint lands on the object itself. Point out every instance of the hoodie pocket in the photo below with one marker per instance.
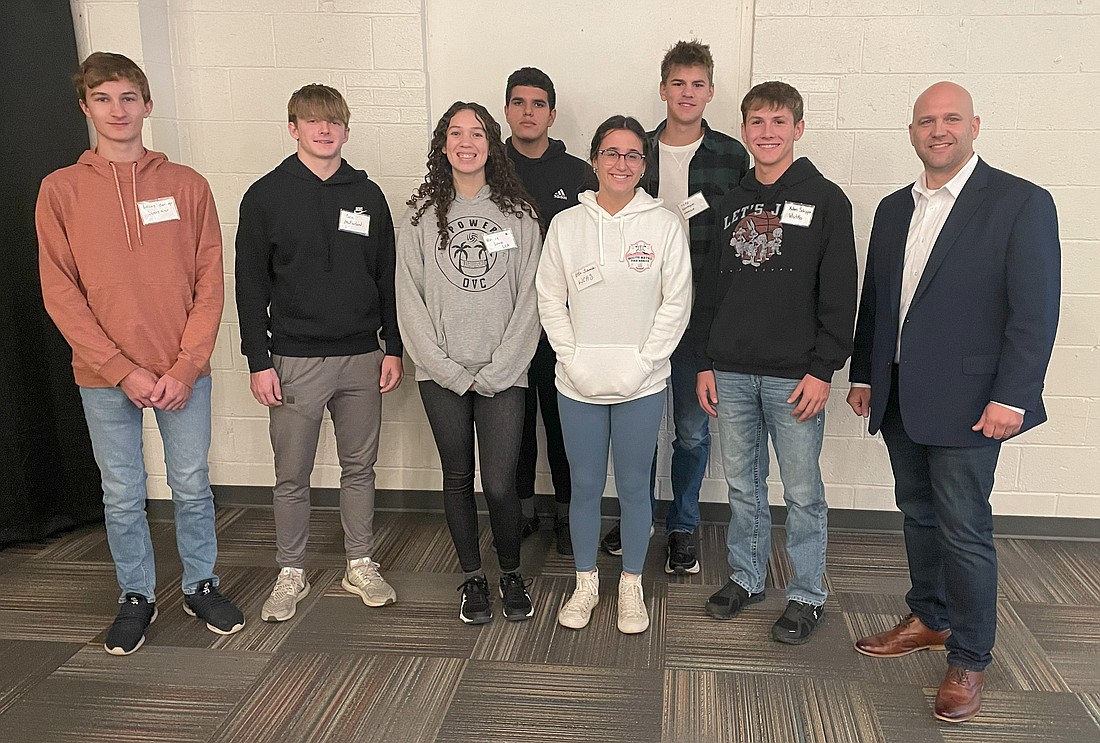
(606, 371)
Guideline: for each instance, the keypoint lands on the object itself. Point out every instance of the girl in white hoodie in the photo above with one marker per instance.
(614, 287)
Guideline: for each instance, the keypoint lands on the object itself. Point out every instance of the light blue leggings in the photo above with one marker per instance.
(631, 430)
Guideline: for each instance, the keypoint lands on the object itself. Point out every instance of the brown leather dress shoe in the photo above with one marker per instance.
(909, 636)
(960, 695)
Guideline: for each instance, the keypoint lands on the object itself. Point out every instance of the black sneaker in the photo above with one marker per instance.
(798, 623)
(475, 607)
(681, 553)
(730, 600)
(528, 526)
(127, 632)
(217, 611)
(612, 542)
(562, 537)
(516, 600)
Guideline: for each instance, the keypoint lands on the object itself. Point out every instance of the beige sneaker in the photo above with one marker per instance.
(633, 617)
(290, 588)
(363, 579)
(578, 609)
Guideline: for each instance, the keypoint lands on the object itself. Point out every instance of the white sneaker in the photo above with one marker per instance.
(633, 617)
(363, 579)
(578, 609)
(290, 588)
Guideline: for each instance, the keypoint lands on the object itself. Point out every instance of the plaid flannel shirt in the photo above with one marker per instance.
(717, 166)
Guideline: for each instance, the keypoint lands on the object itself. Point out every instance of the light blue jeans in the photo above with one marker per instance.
(115, 427)
(750, 409)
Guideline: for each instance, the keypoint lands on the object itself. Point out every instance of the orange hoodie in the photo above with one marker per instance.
(127, 283)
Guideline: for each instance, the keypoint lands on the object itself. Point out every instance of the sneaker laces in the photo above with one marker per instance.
(631, 601)
(287, 584)
(514, 586)
(364, 570)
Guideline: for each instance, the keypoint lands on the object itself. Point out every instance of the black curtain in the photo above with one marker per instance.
(48, 478)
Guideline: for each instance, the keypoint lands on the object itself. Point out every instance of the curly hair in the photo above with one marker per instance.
(438, 189)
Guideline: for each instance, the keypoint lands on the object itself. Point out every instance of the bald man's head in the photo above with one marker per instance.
(943, 131)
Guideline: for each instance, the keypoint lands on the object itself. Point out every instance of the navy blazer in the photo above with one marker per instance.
(981, 324)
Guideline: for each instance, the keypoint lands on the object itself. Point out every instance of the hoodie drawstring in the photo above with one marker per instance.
(622, 234)
(599, 232)
(122, 204)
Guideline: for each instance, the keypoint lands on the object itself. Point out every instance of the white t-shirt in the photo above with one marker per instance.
(673, 184)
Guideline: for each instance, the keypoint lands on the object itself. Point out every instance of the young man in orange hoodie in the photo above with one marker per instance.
(130, 257)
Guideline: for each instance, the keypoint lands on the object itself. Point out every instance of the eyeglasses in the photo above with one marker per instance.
(610, 157)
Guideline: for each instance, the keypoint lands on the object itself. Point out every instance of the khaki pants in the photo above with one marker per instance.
(348, 387)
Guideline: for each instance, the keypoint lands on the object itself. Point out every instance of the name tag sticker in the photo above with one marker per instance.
(158, 210)
(498, 241)
(356, 222)
(694, 204)
(800, 215)
(588, 276)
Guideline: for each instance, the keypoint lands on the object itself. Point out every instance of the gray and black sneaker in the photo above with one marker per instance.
(475, 608)
(798, 623)
(514, 596)
(219, 613)
(127, 632)
(731, 599)
(681, 554)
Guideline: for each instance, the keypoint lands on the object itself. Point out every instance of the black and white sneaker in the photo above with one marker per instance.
(127, 632)
(476, 608)
(516, 600)
(798, 623)
(681, 554)
(219, 613)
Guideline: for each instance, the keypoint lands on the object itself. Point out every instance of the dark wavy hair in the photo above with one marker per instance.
(615, 123)
(438, 189)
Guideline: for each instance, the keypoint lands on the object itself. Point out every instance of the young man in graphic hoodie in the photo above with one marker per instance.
(130, 257)
(315, 261)
(772, 322)
(554, 178)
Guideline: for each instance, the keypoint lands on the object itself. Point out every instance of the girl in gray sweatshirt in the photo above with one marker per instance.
(466, 259)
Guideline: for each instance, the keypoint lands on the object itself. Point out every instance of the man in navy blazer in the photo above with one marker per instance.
(955, 330)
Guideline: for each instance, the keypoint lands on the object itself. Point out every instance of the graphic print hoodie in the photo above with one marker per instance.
(778, 294)
(468, 315)
(614, 297)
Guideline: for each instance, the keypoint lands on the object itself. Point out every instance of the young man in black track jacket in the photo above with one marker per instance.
(554, 178)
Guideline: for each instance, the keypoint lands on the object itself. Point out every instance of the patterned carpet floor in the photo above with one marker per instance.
(411, 672)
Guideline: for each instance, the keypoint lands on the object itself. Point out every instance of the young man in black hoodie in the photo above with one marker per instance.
(314, 270)
(772, 322)
(554, 179)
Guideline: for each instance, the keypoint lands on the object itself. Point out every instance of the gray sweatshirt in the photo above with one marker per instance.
(468, 315)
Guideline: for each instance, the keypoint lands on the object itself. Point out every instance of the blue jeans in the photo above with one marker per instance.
(690, 447)
(115, 428)
(631, 430)
(750, 409)
(944, 493)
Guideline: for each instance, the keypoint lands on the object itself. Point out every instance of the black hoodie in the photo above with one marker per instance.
(778, 296)
(307, 284)
(554, 180)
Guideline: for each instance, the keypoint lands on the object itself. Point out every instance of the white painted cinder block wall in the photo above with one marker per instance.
(222, 70)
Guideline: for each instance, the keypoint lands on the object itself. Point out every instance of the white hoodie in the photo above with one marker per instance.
(614, 297)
